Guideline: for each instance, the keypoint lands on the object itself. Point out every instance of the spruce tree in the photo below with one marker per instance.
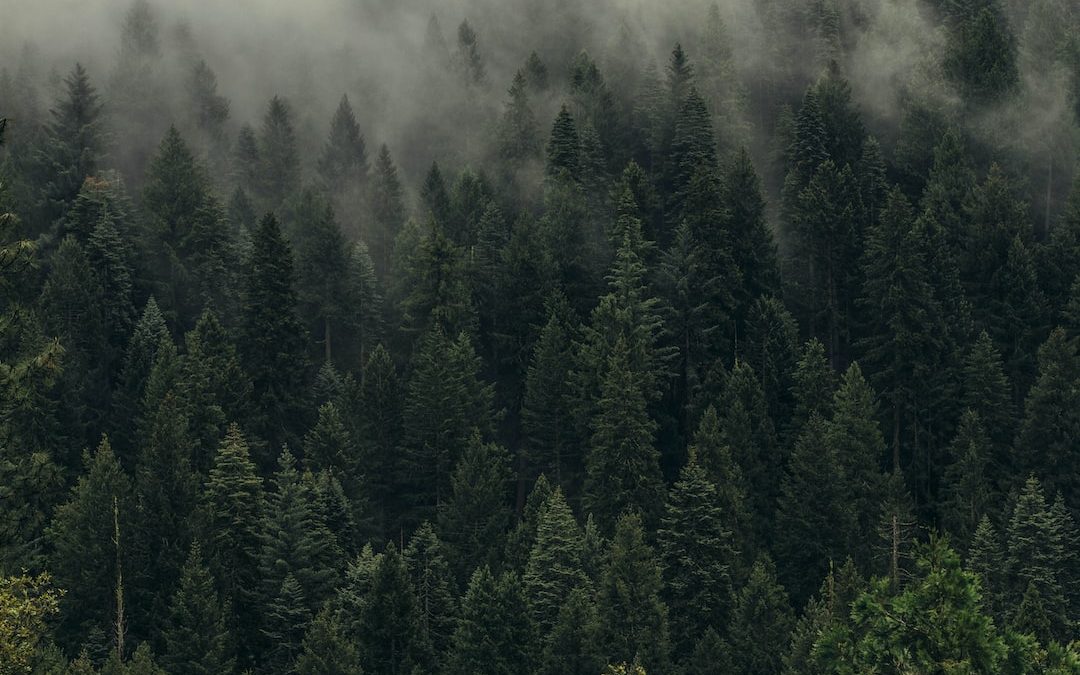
(697, 556)
(273, 345)
(149, 333)
(85, 560)
(326, 651)
(197, 636)
(726, 476)
(494, 634)
(435, 587)
(390, 637)
(473, 520)
(232, 509)
(985, 390)
(279, 163)
(572, 647)
(633, 617)
(966, 482)
(518, 134)
(387, 209)
(1050, 429)
(814, 520)
(343, 164)
(564, 148)
(554, 568)
(622, 468)
(761, 622)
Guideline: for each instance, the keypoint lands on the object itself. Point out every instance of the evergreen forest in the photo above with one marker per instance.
(540, 337)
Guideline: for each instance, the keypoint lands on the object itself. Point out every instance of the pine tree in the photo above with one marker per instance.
(197, 638)
(813, 385)
(693, 152)
(165, 489)
(761, 622)
(494, 634)
(752, 242)
(697, 556)
(519, 139)
(1049, 430)
(436, 197)
(149, 333)
(326, 651)
(726, 476)
(622, 468)
(469, 58)
(74, 142)
(377, 412)
(986, 391)
(233, 506)
(554, 568)
(547, 414)
(1035, 557)
(387, 209)
(435, 589)
(296, 543)
(987, 560)
(390, 639)
(564, 148)
(572, 648)
(854, 435)
(344, 164)
(273, 341)
(85, 557)
(966, 483)
(287, 615)
(814, 521)
(439, 294)
(279, 163)
(772, 350)
(633, 618)
(474, 518)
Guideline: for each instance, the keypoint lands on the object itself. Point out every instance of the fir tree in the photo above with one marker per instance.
(494, 634)
(326, 651)
(387, 209)
(518, 134)
(435, 588)
(197, 638)
(966, 483)
(697, 556)
(344, 162)
(273, 342)
(554, 568)
(761, 622)
(572, 646)
(279, 164)
(564, 148)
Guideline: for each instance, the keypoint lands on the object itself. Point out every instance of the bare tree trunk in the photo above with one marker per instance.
(119, 627)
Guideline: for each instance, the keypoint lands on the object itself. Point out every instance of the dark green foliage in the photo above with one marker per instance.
(633, 618)
(85, 557)
(966, 482)
(272, 346)
(326, 650)
(761, 622)
(494, 634)
(279, 163)
(474, 517)
(446, 404)
(390, 639)
(572, 648)
(698, 557)
(435, 588)
(197, 638)
(564, 148)
(554, 569)
(814, 523)
(344, 164)
(387, 209)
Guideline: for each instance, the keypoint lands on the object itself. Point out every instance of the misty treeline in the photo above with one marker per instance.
(540, 337)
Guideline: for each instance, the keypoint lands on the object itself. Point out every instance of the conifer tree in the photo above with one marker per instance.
(986, 559)
(232, 507)
(697, 556)
(633, 618)
(813, 385)
(564, 148)
(1045, 445)
(85, 556)
(518, 134)
(854, 435)
(475, 516)
(966, 485)
(390, 639)
(379, 428)
(387, 209)
(296, 543)
(494, 634)
(326, 651)
(985, 390)
(197, 637)
(273, 342)
(751, 240)
(344, 164)
(771, 348)
(814, 521)
(726, 476)
(1035, 557)
(74, 142)
(554, 568)
(547, 414)
(572, 648)
(761, 622)
(287, 615)
(438, 280)
(149, 334)
(622, 468)
(435, 589)
(279, 163)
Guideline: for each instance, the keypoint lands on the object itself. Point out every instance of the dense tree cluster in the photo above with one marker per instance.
(682, 371)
